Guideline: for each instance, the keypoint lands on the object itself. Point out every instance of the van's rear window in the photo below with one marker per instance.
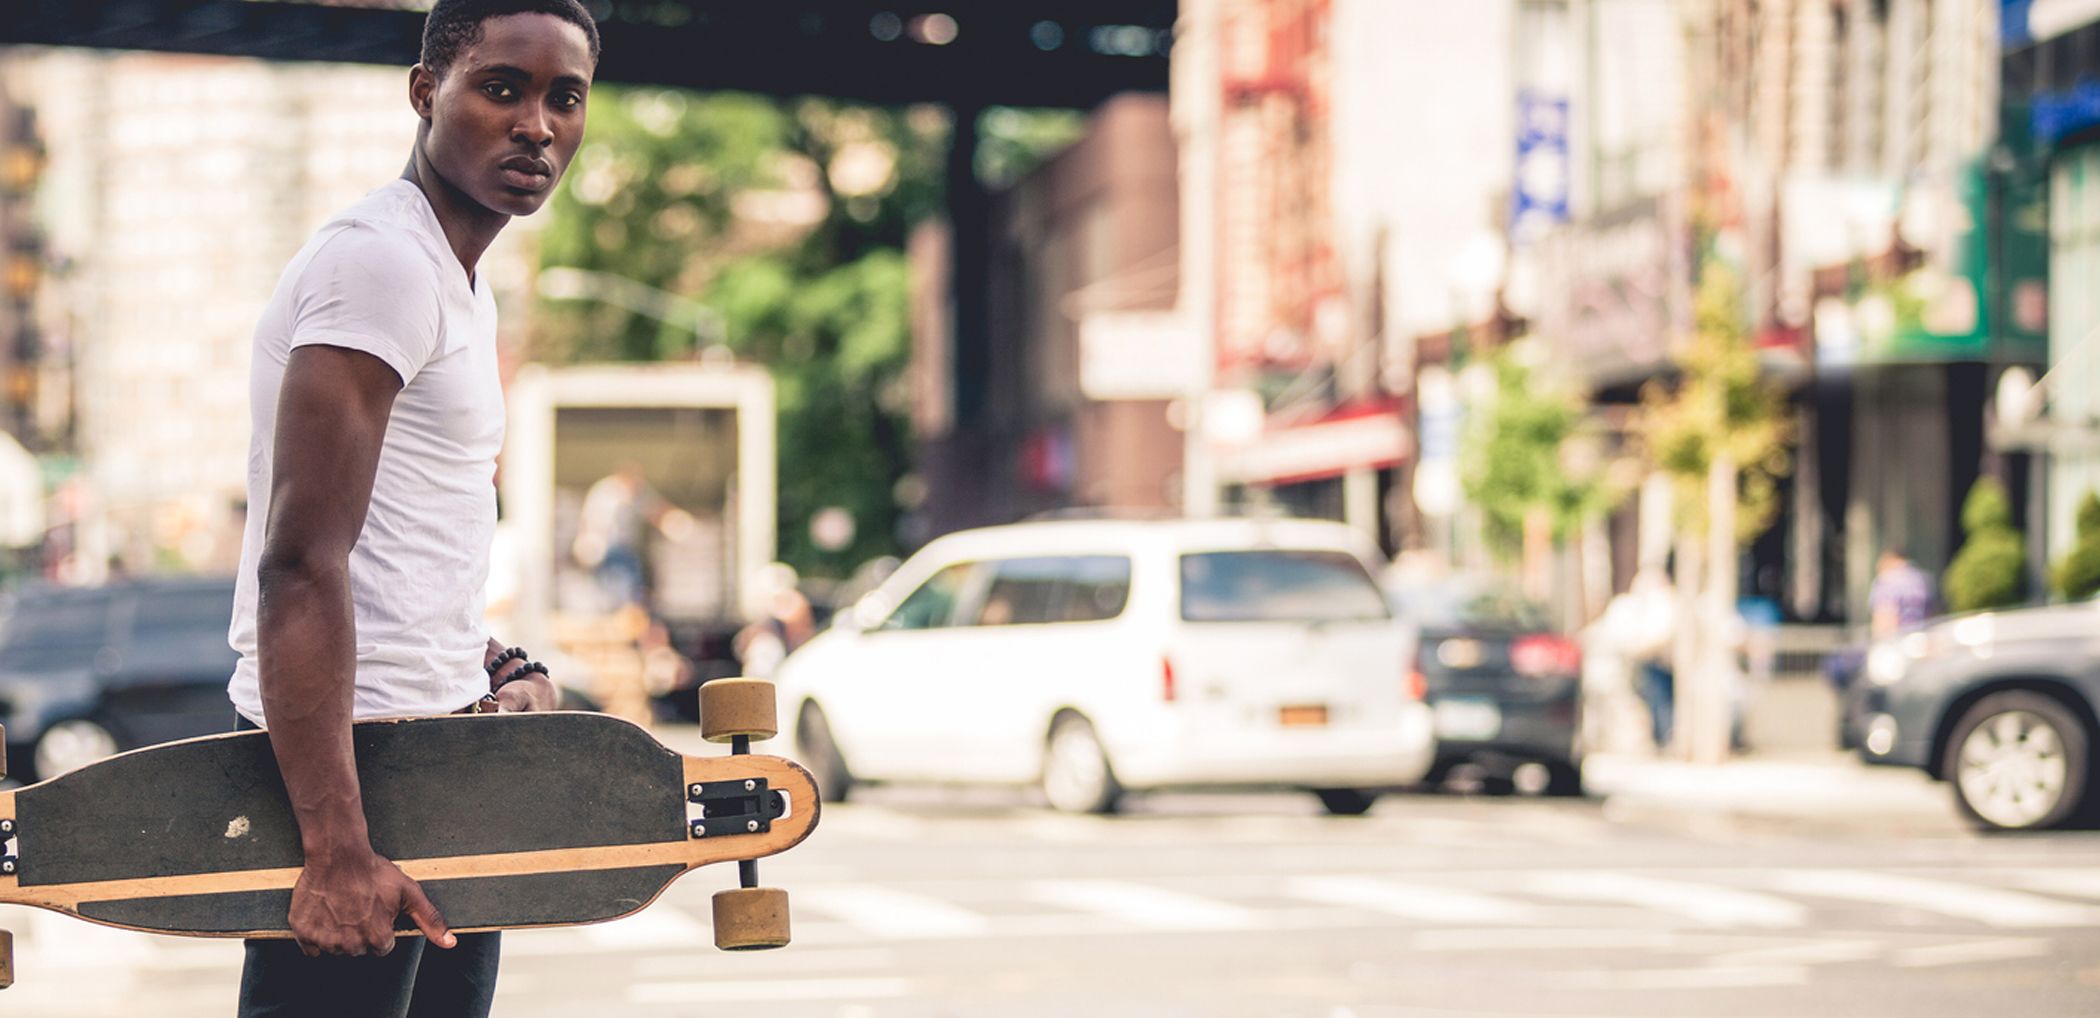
(1278, 586)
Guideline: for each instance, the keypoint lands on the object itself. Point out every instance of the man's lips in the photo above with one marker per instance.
(526, 172)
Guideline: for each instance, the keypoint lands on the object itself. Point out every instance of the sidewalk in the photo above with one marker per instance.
(1802, 793)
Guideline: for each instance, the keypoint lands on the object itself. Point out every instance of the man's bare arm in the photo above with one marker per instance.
(332, 412)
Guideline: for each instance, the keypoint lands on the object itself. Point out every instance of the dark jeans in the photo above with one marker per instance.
(413, 981)
(1659, 692)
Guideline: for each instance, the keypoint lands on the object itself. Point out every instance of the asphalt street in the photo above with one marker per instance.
(948, 903)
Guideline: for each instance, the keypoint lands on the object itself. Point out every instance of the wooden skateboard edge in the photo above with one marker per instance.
(804, 803)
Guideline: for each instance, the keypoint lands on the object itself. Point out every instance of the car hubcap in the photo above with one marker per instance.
(70, 745)
(1075, 771)
(2013, 769)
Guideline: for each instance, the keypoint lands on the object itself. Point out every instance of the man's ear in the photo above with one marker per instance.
(422, 90)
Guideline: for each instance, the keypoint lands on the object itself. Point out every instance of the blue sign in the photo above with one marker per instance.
(2012, 24)
(1539, 199)
(2058, 114)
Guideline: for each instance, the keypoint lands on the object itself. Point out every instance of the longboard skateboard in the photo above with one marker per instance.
(508, 821)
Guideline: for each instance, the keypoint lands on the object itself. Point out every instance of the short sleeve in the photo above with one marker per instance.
(373, 290)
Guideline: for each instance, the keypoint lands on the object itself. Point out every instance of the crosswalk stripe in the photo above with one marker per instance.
(1965, 952)
(660, 926)
(1705, 903)
(891, 913)
(2071, 883)
(1961, 901)
(1142, 905)
(1410, 900)
(767, 990)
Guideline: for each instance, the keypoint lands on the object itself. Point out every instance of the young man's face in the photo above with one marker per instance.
(506, 117)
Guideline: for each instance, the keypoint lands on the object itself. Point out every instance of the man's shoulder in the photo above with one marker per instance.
(387, 223)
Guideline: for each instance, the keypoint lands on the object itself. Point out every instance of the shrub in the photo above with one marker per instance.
(2078, 575)
(1990, 571)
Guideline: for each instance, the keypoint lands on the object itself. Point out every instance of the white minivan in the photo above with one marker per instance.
(1102, 656)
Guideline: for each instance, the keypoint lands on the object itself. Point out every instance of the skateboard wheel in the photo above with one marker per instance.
(733, 707)
(7, 958)
(751, 918)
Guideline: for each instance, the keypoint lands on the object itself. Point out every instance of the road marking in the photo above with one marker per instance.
(663, 926)
(1410, 901)
(767, 990)
(1705, 978)
(1961, 901)
(889, 913)
(1503, 939)
(684, 965)
(1999, 949)
(2071, 883)
(1705, 903)
(1150, 907)
(1817, 952)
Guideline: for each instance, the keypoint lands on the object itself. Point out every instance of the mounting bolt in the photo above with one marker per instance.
(7, 827)
(751, 825)
(750, 785)
(8, 866)
(699, 829)
(694, 789)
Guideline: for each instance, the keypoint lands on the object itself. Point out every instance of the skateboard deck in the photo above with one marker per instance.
(508, 821)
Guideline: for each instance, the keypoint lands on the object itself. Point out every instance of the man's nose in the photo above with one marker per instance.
(534, 128)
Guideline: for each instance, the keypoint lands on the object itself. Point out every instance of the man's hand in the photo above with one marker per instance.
(533, 692)
(348, 905)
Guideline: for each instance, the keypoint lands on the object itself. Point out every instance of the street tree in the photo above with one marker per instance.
(2078, 575)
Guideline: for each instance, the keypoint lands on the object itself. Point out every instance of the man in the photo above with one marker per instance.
(378, 414)
(1900, 598)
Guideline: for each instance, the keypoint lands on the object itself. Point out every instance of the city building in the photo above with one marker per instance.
(177, 187)
(1084, 351)
(2052, 124)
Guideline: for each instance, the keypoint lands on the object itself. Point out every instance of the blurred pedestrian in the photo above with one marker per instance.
(617, 512)
(1901, 597)
(786, 623)
(1642, 625)
(377, 417)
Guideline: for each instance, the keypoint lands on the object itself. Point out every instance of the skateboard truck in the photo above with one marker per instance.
(734, 807)
(10, 848)
(747, 917)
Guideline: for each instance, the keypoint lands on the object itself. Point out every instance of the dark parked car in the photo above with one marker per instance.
(86, 672)
(1999, 705)
(1506, 689)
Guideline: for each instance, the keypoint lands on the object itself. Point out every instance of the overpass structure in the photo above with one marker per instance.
(964, 54)
(1046, 53)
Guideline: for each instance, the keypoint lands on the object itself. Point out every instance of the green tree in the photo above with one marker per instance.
(788, 218)
(1516, 459)
(1721, 404)
(1990, 569)
(2078, 575)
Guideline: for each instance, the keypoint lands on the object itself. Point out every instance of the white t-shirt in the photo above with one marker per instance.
(380, 278)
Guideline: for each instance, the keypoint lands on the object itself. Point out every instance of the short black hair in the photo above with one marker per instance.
(454, 25)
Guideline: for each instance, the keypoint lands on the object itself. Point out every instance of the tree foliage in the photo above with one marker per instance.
(1516, 459)
(1721, 404)
(788, 220)
(1990, 569)
(2078, 575)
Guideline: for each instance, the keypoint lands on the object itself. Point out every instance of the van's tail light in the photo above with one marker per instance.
(1166, 679)
(1417, 687)
(1542, 656)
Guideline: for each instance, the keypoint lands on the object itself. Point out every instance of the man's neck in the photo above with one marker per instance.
(469, 226)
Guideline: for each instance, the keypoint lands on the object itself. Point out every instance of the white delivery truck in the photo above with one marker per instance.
(684, 456)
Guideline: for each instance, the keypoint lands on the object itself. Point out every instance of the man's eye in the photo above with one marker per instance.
(497, 90)
(569, 101)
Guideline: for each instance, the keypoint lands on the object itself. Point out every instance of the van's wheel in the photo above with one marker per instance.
(1563, 779)
(820, 753)
(1346, 802)
(1077, 777)
(2017, 761)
